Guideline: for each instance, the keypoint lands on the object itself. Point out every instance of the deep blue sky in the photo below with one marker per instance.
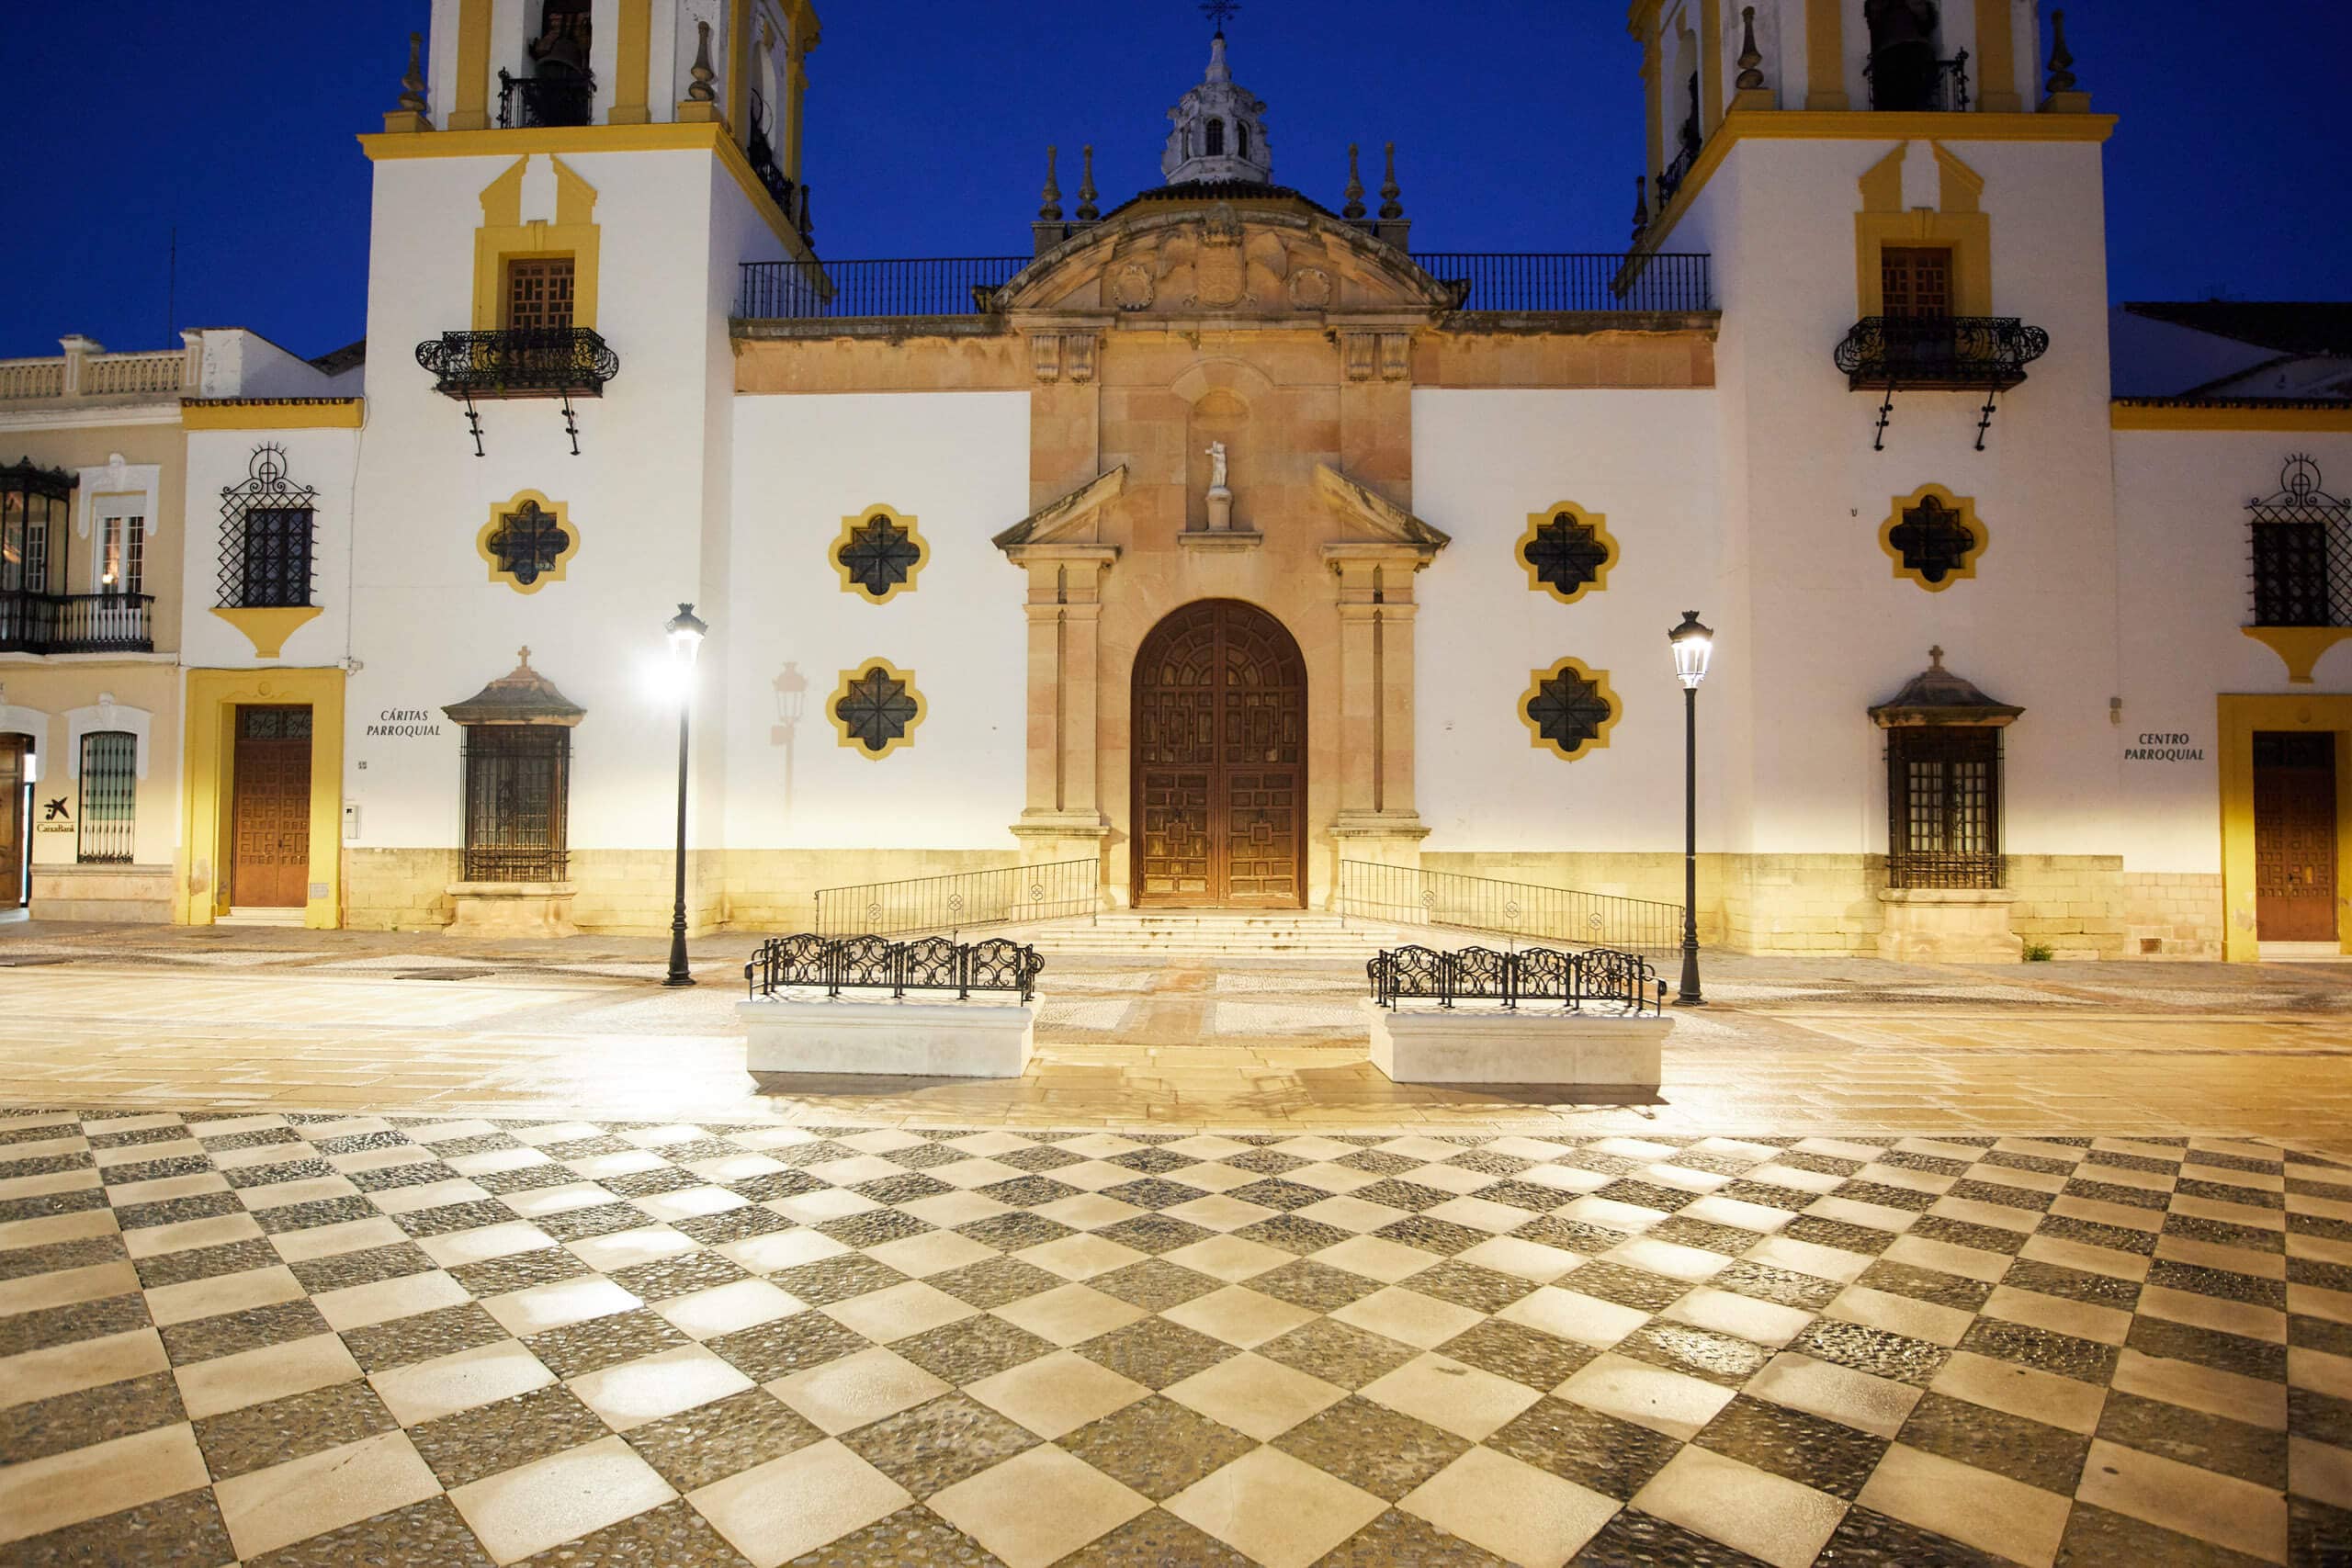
(1517, 122)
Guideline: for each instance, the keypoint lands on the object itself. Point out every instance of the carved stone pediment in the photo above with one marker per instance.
(1383, 520)
(1064, 522)
(1273, 255)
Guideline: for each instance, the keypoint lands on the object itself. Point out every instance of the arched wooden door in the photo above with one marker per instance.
(1220, 760)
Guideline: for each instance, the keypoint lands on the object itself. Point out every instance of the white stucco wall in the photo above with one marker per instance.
(958, 463)
(1482, 462)
(326, 460)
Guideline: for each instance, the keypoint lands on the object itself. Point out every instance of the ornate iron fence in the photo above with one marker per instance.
(1601, 975)
(961, 900)
(1564, 281)
(519, 362)
(811, 962)
(1408, 896)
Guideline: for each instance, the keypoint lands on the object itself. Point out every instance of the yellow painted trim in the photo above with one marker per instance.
(584, 139)
(1825, 57)
(841, 691)
(2300, 648)
(2237, 718)
(504, 235)
(632, 71)
(1965, 506)
(559, 510)
(472, 110)
(259, 414)
(1811, 125)
(2188, 416)
(739, 64)
(1960, 227)
(1710, 66)
(1600, 679)
(1538, 521)
(1996, 57)
(850, 524)
(267, 628)
(208, 784)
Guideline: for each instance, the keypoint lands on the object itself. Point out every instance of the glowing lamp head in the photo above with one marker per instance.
(686, 632)
(1693, 645)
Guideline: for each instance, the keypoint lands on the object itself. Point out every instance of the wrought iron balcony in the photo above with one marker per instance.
(1967, 353)
(1904, 85)
(1669, 181)
(791, 198)
(519, 362)
(562, 98)
(78, 623)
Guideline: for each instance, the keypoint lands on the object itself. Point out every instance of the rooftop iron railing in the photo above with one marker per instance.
(962, 900)
(1408, 896)
(957, 285)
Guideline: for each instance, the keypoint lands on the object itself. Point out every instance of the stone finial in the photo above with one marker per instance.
(1353, 210)
(702, 91)
(1087, 209)
(1750, 77)
(1640, 205)
(412, 84)
(1049, 209)
(1936, 658)
(1389, 206)
(2062, 59)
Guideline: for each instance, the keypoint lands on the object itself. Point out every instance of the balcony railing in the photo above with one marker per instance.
(562, 100)
(86, 370)
(957, 285)
(1966, 353)
(534, 362)
(78, 623)
(1670, 179)
(791, 198)
(1904, 85)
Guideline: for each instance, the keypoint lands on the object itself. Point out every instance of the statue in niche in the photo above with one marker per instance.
(1220, 497)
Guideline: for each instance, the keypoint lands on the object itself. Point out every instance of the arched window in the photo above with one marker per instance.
(1216, 139)
(1242, 134)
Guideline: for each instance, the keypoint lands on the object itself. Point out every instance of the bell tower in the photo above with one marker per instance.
(1220, 130)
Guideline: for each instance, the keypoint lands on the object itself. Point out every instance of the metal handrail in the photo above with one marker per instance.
(1406, 896)
(963, 900)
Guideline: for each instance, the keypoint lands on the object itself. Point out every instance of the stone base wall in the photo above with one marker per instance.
(128, 893)
(399, 890)
(2073, 905)
(626, 892)
(1824, 906)
(2171, 914)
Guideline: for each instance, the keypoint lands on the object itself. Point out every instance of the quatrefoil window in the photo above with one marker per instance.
(1567, 551)
(528, 541)
(1934, 538)
(875, 708)
(878, 553)
(1568, 708)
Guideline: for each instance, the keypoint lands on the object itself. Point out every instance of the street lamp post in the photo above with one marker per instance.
(1692, 644)
(685, 634)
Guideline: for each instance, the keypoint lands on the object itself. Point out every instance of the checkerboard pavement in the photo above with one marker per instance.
(326, 1339)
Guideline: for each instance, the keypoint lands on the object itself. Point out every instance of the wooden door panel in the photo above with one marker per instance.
(2294, 838)
(1220, 760)
(12, 821)
(270, 818)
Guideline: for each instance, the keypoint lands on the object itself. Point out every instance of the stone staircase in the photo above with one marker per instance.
(1157, 936)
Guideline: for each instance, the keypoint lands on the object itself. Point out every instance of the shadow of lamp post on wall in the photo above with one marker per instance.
(1693, 646)
(791, 700)
(685, 632)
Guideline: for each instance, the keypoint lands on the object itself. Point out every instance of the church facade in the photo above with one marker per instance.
(1227, 548)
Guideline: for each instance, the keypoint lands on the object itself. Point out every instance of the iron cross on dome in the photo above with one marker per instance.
(1220, 12)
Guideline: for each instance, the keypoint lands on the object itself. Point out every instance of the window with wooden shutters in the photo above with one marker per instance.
(1914, 282)
(1944, 792)
(109, 790)
(538, 293)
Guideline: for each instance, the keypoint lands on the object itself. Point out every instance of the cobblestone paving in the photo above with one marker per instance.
(291, 1338)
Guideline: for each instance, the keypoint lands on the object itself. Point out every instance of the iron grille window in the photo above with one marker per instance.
(540, 293)
(874, 708)
(1567, 554)
(1943, 798)
(2303, 552)
(1570, 709)
(1933, 540)
(527, 543)
(109, 791)
(878, 555)
(267, 525)
(519, 782)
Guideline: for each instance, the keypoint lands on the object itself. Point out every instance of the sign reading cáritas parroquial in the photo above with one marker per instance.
(404, 723)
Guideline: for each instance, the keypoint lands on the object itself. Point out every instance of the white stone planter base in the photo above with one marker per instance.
(888, 1038)
(1533, 1045)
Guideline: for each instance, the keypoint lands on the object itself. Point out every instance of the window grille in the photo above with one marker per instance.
(538, 293)
(1567, 554)
(527, 543)
(109, 791)
(1569, 708)
(2303, 552)
(1943, 798)
(518, 781)
(1933, 541)
(267, 528)
(874, 708)
(878, 555)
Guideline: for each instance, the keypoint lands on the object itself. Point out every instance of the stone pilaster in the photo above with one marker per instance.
(1063, 819)
(1377, 819)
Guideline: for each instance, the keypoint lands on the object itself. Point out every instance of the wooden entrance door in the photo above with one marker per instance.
(272, 808)
(1220, 760)
(2294, 835)
(12, 821)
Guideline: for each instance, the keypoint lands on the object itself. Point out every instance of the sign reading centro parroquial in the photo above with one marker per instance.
(2164, 746)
